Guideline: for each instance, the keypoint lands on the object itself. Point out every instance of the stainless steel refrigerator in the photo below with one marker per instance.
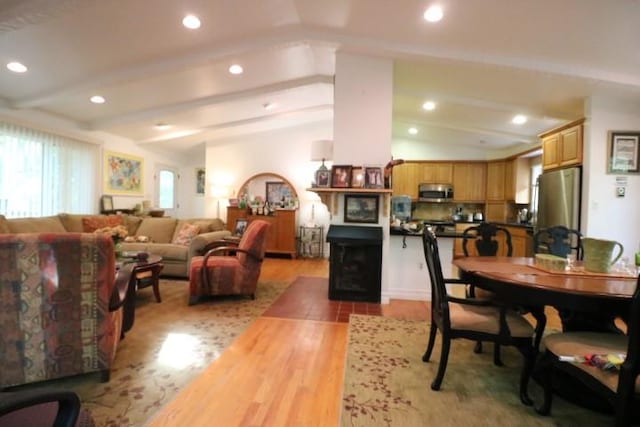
(559, 198)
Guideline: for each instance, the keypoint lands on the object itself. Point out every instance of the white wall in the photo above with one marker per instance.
(603, 214)
(285, 152)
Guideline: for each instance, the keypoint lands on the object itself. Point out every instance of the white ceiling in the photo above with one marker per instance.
(484, 62)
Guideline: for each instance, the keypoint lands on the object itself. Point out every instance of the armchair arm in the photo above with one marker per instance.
(198, 243)
(68, 403)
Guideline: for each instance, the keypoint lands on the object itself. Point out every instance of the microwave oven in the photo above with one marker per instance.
(435, 192)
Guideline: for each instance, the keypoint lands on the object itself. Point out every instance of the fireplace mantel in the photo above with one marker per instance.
(329, 196)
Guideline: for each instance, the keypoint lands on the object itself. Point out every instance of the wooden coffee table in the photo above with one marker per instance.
(143, 274)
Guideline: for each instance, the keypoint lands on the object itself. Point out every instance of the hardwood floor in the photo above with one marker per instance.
(281, 371)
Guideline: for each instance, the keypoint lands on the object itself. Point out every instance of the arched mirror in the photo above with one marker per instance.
(270, 187)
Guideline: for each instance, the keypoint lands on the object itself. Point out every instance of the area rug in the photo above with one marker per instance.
(387, 384)
(169, 345)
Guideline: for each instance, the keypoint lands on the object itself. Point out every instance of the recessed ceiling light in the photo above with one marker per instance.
(519, 119)
(269, 105)
(97, 99)
(433, 13)
(429, 105)
(413, 131)
(191, 22)
(235, 69)
(16, 67)
(162, 126)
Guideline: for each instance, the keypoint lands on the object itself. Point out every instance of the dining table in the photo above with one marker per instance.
(595, 299)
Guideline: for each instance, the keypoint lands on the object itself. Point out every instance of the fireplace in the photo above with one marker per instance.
(355, 263)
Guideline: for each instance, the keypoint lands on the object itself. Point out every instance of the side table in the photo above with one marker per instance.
(311, 244)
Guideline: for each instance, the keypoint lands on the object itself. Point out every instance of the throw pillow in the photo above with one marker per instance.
(93, 223)
(186, 234)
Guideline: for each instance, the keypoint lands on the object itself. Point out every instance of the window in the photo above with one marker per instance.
(44, 174)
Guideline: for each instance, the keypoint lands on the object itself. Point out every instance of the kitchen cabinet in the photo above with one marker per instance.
(496, 211)
(518, 180)
(562, 146)
(405, 179)
(437, 172)
(469, 180)
(281, 237)
(496, 173)
(521, 242)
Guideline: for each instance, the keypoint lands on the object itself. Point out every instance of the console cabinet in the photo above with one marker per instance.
(281, 238)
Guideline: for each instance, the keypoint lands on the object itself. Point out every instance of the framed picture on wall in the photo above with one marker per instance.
(361, 208)
(624, 152)
(123, 174)
(200, 181)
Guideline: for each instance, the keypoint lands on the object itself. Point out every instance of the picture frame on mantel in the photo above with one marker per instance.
(624, 153)
(341, 176)
(361, 208)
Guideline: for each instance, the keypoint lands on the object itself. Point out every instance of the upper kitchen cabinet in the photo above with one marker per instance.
(406, 178)
(469, 182)
(518, 180)
(437, 172)
(496, 180)
(562, 146)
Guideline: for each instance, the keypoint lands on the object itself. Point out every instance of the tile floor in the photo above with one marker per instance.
(307, 298)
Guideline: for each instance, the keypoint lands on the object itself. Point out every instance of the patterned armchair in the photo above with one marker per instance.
(59, 313)
(230, 275)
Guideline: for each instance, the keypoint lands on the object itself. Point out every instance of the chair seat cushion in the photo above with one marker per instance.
(587, 343)
(487, 319)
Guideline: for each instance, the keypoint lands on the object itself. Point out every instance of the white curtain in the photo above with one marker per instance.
(44, 174)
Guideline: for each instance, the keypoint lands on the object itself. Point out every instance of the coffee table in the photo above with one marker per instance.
(144, 273)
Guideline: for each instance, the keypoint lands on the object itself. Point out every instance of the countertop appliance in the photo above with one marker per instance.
(435, 193)
(559, 198)
(401, 208)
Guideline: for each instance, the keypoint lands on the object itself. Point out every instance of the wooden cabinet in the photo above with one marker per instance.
(406, 178)
(469, 180)
(496, 173)
(496, 211)
(562, 146)
(437, 172)
(281, 237)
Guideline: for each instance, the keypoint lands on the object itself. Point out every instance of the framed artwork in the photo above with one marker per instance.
(623, 152)
(323, 178)
(123, 174)
(357, 177)
(362, 208)
(241, 225)
(278, 192)
(373, 177)
(341, 176)
(106, 203)
(200, 181)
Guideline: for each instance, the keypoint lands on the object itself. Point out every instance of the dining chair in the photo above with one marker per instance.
(40, 407)
(558, 240)
(474, 319)
(618, 387)
(484, 240)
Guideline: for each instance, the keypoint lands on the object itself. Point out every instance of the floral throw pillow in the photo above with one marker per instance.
(186, 234)
(93, 223)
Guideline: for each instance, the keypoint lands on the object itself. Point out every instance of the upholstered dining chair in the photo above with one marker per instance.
(620, 388)
(558, 240)
(235, 274)
(484, 240)
(43, 407)
(473, 319)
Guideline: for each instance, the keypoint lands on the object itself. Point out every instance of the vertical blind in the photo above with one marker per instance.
(44, 174)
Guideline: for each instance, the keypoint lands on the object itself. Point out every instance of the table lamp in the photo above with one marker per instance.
(321, 150)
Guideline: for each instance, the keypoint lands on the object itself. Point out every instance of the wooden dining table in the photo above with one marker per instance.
(518, 280)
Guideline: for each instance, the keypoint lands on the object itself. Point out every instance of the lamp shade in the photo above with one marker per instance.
(321, 150)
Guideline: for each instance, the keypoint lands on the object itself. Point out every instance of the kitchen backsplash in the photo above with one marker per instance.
(442, 211)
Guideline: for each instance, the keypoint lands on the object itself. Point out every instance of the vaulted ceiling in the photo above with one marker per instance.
(484, 62)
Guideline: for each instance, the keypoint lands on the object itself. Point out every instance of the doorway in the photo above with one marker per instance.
(166, 179)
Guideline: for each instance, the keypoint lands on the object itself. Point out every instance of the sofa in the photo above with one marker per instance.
(61, 306)
(177, 241)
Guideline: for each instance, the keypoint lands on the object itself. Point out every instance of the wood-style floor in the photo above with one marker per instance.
(281, 371)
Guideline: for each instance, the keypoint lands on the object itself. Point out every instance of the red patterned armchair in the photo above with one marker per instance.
(59, 313)
(230, 275)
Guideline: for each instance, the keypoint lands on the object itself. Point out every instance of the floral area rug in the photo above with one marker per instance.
(387, 384)
(169, 345)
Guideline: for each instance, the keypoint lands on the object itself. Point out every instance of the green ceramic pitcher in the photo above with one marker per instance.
(598, 254)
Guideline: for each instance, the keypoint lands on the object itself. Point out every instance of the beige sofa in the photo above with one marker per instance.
(161, 232)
